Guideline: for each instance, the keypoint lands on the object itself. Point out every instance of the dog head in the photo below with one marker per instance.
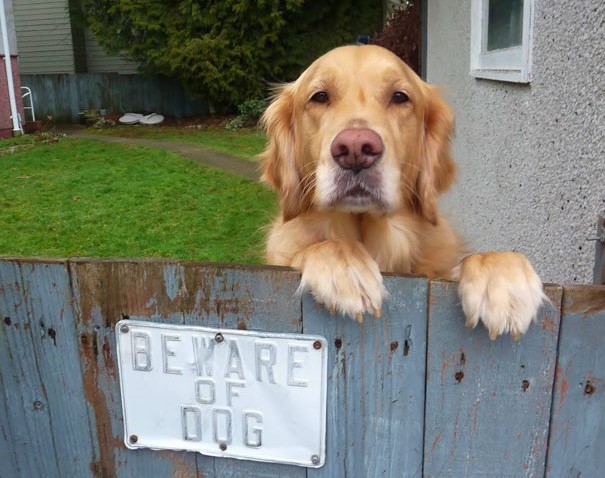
(358, 131)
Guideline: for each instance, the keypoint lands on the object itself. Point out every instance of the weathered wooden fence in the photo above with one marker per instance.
(64, 96)
(411, 394)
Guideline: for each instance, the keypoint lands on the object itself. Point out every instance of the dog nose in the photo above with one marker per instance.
(356, 148)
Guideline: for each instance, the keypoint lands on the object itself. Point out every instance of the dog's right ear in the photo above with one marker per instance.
(280, 168)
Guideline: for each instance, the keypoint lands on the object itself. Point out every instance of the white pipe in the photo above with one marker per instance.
(9, 70)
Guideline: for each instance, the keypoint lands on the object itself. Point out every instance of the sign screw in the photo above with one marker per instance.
(316, 346)
(314, 459)
(219, 337)
(222, 446)
(133, 438)
(124, 329)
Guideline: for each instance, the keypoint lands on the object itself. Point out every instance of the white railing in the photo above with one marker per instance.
(26, 92)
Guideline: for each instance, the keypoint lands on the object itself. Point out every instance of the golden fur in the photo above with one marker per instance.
(339, 239)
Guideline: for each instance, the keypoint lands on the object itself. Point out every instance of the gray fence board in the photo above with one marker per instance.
(48, 293)
(25, 413)
(375, 385)
(576, 447)
(488, 403)
(239, 298)
(177, 293)
(105, 292)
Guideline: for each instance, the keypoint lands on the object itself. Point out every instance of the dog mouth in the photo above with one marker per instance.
(357, 192)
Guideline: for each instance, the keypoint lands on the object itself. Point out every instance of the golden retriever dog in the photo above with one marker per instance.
(359, 151)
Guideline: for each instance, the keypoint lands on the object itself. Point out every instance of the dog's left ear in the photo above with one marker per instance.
(437, 169)
(280, 168)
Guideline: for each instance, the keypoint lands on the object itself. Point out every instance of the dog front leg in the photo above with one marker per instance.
(343, 276)
(501, 289)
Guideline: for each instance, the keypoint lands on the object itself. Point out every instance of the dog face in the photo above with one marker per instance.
(358, 132)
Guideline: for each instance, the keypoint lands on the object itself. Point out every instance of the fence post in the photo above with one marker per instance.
(599, 265)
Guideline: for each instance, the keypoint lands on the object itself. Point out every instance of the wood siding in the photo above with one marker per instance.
(412, 394)
(99, 62)
(47, 43)
(44, 37)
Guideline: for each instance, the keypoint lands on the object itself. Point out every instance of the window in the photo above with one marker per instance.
(501, 34)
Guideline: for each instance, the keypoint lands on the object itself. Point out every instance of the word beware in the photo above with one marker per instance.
(221, 364)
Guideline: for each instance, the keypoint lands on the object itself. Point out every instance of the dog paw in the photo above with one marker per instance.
(502, 290)
(343, 277)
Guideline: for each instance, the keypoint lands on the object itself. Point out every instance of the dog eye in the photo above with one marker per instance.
(320, 97)
(399, 97)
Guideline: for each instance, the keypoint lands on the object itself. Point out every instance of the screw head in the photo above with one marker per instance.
(124, 329)
(317, 346)
(223, 446)
(315, 459)
(38, 405)
(219, 338)
(133, 438)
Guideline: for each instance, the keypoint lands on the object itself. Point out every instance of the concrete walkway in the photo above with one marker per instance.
(199, 154)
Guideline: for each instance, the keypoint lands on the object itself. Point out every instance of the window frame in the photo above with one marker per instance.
(507, 64)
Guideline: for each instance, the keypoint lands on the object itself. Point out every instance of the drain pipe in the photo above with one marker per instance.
(9, 71)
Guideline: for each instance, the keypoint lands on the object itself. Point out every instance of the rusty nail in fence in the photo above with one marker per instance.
(314, 459)
(223, 446)
(588, 388)
(133, 438)
(38, 405)
(124, 329)
(316, 346)
(219, 337)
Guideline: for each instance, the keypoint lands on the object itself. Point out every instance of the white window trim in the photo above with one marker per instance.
(508, 64)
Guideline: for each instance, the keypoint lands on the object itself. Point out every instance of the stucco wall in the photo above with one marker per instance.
(531, 157)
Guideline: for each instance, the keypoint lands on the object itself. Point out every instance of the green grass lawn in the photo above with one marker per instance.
(87, 198)
(244, 143)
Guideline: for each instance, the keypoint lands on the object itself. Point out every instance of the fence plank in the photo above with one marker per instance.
(105, 292)
(50, 303)
(375, 385)
(488, 403)
(578, 416)
(25, 414)
(241, 298)
(198, 294)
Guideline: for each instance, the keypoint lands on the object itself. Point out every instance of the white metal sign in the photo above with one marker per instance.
(228, 393)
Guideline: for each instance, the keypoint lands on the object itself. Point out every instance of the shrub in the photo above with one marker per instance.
(250, 112)
(401, 34)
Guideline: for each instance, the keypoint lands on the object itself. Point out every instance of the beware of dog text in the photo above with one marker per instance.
(224, 393)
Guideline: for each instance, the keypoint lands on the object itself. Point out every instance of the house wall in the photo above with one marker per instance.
(6, 122)
(99, 62)
(44, 35)
(531, 157)
(10, 20)
(49, 43)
